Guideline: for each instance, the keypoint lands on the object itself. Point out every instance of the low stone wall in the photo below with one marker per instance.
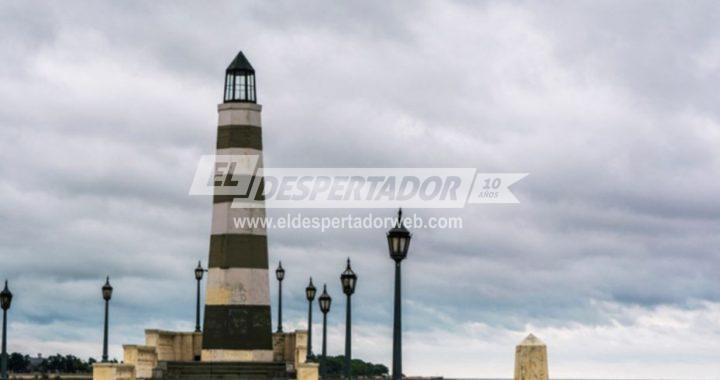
(290, 348)
(144, 358)
(161, 345)
(174, 345)
(51, 376)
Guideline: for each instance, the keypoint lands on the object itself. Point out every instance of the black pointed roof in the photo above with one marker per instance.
(240, 63)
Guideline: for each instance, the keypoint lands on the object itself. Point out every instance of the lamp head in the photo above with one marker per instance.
(398, 240)
(6, 297)
(107, 290)
(280, 272)
(199, 271)
(325, 300)
(348, 278)
(310, 291)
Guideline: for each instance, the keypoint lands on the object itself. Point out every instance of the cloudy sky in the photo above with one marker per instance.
(611, 257)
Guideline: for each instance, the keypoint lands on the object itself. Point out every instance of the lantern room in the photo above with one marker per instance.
(240, 81)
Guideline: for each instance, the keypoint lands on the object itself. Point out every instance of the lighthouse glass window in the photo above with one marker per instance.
(251, 87)
(228, 87)
(240, 87)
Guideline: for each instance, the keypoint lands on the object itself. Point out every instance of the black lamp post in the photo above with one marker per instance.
(348, 278)
(199, 272)
(310, 294)
(5, 300)
(107, 294)
(398, 243)
(324, 302)
(280, 275)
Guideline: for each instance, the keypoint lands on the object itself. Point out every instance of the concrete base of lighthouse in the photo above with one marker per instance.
(173, 355)
(286, 361)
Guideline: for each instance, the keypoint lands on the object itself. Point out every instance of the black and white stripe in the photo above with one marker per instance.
(237, 307)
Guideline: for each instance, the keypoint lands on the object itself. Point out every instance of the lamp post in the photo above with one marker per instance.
(310, 294)
(348, 278)
(324, 300)
(107, 294)
(280, 275)
(398, 243)
(199, 271)
(5, 300)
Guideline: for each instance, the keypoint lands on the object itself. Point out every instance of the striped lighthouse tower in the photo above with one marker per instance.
(237, 304)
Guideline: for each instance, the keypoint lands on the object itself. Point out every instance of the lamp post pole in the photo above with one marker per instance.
(4, 347)
(348, 279)
(280, 329)
(197, 309)
(324, 302)
(280, 275)
(398, 243)
(324, 336)
(107, 295)
(348, 340)
(310, 294)
(105, 334)
(397, 329)
(5, 300)
(199, 271)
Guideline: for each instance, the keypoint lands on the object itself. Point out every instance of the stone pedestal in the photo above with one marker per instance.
(113, 371)
(299, 344)
(531, 360)
(279, 347)
(290, 348)
(307, 371)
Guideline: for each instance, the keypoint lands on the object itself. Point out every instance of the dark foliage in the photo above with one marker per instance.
(19, 363)
(335, 364)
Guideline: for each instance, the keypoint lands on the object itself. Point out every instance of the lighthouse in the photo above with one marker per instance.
(237, 304)
(236, 341)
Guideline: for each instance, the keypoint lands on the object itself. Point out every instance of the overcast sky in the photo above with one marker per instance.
(613, 108)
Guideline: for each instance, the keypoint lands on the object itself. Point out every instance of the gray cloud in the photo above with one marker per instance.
(611, 107)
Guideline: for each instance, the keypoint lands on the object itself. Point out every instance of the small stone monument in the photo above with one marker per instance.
(531, 359)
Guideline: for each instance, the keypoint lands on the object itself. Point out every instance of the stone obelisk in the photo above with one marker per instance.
(531, 360)
(237, 305)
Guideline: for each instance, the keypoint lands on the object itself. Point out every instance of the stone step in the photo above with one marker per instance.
(221, 371)
(227, 368)
(223, 365)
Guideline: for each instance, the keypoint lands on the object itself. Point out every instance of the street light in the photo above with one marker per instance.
(348, 278)
(310, 294)
(5, 301)
(280, 275)
(199, 272)
(325, 300)
(398, 243)
(107, 294)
